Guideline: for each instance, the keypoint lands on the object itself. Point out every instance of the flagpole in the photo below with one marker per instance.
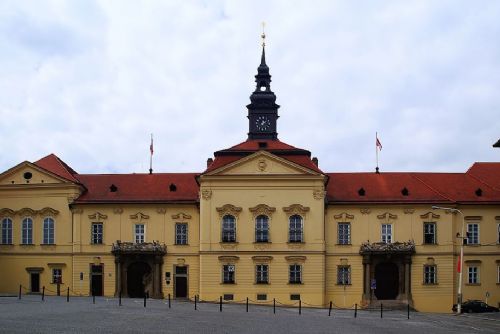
(376, 152)
(151, 156)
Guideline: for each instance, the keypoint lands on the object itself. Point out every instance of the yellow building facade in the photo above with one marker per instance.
(263, 222)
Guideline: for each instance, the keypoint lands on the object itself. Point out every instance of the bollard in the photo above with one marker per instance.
(220, 304)
(20, 287)
(120, 298)
(274, 305)
(247, 304)
(67, 295)
(300, 306)
(330, 309)
(355, 310)
(169, 300)
(195, 300)
(408, 307)
(381, 310)
(43, 293)
(145, 295)
(58, 288)
(93, 299)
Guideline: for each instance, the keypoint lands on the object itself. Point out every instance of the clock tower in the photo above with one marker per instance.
(263, 110)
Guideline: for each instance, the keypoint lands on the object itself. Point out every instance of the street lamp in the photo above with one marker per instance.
(459, 294)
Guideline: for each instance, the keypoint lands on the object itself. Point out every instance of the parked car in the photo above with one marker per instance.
(475, 306)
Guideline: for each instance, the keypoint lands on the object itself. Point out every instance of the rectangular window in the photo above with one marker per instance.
(56, 275)
(6, 231)
(262, 229)
(294, 297)
(228, 273)
(472, 234)
(27, 231)
(261, 296)
(295, 276)
(228, 296)
(344, 275)
(430, 233)
(344, 233)
(228, 229)
(498, 273)
(262, 274)
(139, 233)
(387, 233)
(96, 233)
(181, 234)
(48, 231)
(498, 234)
(430, 274)
(473, 275)
(295, 229)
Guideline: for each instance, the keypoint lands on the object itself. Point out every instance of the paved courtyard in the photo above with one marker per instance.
(80, 315)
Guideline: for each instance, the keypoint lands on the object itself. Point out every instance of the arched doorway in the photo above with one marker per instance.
(139, 279)
(387, 278)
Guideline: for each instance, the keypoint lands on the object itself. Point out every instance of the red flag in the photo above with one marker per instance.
(459, 265)
(151, 146)
(378, 144)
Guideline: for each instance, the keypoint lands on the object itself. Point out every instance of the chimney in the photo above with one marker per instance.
(209, 162)
(315, 161)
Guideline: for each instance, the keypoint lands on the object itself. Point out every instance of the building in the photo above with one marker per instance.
(262, 221)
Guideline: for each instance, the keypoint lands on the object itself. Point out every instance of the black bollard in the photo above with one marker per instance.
(145, 295)
(220, 304)
(169, 301)
(300, 306)
(247, 304)
(93, 299)
(20, 287)
(408, 307)
(381, 310)
(58, 288)
(67, 295)
(195, 300)
(274, 305)
(355, 310)
(43, 293)
(120, 298)
(330, 309)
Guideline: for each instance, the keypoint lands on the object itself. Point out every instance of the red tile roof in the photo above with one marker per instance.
(139, 188)
(53, 164)
(488, 172)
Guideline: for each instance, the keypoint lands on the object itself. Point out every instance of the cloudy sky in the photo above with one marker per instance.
(91, 80)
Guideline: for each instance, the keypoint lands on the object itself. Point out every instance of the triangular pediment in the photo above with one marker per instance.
(262, 163)
(29, 173)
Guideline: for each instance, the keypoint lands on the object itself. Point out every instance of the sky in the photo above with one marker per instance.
(90, 81)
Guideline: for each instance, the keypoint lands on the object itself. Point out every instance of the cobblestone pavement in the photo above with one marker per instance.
(80, 315)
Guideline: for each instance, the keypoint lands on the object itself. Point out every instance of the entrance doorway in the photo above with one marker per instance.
(35, 282)
(387, 277)
(139, 279)
(96, 280)
(181, 282)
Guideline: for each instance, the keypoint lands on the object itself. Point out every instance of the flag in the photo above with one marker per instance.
(459, 265)
(378, 144)
(151, 146)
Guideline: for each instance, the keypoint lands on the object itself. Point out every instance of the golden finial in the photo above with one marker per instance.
(263, 36)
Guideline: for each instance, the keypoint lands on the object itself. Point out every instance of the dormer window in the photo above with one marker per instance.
(405, 192)
(172, 187)
(479, 192)
(113, 188)
(262, 144)
(361, 192)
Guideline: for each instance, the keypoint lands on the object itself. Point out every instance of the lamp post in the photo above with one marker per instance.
(460, 274)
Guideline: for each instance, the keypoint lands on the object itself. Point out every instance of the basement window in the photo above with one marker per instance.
(361, 192)
(228, 296)
(295, 297)
(172, 187)
(113, 188)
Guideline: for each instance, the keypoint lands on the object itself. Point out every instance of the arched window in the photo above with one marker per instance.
(27, 231)
(228, 228)
(262, 229)
(6, 231)
(48, 231)
(295, 229)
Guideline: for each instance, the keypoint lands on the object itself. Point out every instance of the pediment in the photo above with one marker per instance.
(263, 163)
(29, 173)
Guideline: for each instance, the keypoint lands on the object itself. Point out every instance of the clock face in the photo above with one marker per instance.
(263, 123)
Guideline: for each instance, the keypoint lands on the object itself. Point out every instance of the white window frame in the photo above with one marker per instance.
(262, 228)
(262, 274)
(473, 275)
(56, 275)
(473, 238)
(295, 234)
(181, 233)
(295, 274)
(49, 232)
(384, 236)
(96, 237)
(139, 236)
(7, 231)
(341, 238)
(27, 231)
(228, 273)
(228, 229)
(344, 275)
(430, 274)
(434, 233)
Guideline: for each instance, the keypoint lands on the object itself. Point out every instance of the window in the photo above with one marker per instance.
(96, 232)
(473, 275)
(48, 231)
(429, 233)
(295, 297)
(295, 274)
(430, 276)
(6, 231)
(344, 233)
(295, 232)
(262, 274)
(472, 234)
(387, 233)
(262, 229)
(139, 233)
(498, 234)
(498, 273)
(228, 273)
(228, 228)
(344, 275)
(56, 275)
(228, 296)
(261, 296)
(181, 234)
(27, 231)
